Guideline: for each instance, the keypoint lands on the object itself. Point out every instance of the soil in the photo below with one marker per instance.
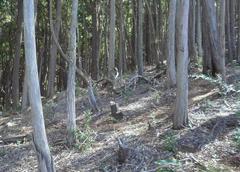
(145, 130)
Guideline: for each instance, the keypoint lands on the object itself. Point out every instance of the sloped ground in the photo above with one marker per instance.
(146, 131)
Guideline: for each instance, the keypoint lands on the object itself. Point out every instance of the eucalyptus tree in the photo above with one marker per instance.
(45, 161)
(180, 118)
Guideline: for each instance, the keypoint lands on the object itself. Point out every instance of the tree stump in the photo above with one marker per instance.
(115, 112)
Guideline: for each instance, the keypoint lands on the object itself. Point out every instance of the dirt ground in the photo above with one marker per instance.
(145, 130)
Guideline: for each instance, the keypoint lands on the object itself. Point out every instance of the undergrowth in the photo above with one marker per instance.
(85, 136)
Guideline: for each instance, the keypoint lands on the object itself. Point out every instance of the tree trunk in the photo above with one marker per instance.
(16, 60)
(122, 40)
(96, 38)
(199, 29)
(53, 51)
(171, 65)
(71, 110)
(212, 30)
(140, 38)
(45, 161)
(222, 32)
(192, 31)
(180, 118)
(111, 59)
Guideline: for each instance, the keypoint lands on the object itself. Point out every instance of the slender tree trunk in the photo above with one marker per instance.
(71, 110)
(96, 39)
(228, 26)
(122, 44)
(53, 51)
(140, 38)
(180, 118)
(171, 65)
(16, 61)
(192, 31)
(25, 98)
(111, 60)
(222, 33)
(39, 134)
(199, 29)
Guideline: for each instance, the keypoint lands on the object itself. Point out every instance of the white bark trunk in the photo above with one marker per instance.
(180, 118)
(39, 134)
(171, 68)
(71, 111)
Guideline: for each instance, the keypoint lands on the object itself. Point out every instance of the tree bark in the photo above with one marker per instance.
(96, 38)
(140, 38)
(71, 110)
(171, 64)
(180, 118)
(199, 29)
(16, 60)
(45, 161)
(53, 51)
(222, 32)
(217, 59)
(111, 59)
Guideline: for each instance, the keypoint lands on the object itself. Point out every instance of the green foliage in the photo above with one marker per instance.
(168, 165)
(80, 92)
(84, 137)
(157, 96)
(2, 153)
(169, 142)
(127, 93)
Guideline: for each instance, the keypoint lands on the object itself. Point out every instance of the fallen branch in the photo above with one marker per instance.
(16, 139)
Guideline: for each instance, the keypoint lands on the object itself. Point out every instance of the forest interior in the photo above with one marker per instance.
(120, 85)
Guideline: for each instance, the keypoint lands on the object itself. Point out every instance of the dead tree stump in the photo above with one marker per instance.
(114, 111)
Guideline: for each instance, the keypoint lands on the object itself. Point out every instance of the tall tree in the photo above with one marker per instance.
(222, 30)
(16, 61)
(199, 29)
(140, 37)
(111, 59)
(71, 110)
(96, 38)
(180, 118)
(45, 161)
(53, 50)
(212, 31)
(171, 68)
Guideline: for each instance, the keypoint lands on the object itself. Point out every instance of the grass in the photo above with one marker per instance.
(84, 137)
(169, 142)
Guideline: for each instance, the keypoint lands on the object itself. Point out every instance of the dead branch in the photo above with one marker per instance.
(15, 139)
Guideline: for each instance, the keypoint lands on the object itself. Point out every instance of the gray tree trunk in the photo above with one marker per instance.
(192, 31)
(222, 32)
(199, 29)
(180, 118)
(111, 59)
(25, 98)
(16, 60)
(53, 51)
(211, 18)
(122, 40)
(96, 40)
(71, 110)
(171, 64)
(140, 38)
(45, 161)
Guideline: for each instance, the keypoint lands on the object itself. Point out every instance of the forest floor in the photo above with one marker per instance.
(210, 143)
